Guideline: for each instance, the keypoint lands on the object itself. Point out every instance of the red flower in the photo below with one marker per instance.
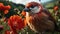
(9, 32)
(7, 7)
(55, 8)
(6, 11)
(1, 6)
(16, 23)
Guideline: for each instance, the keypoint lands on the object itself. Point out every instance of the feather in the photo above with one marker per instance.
(40, 23)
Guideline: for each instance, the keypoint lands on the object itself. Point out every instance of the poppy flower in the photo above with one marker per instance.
(7, 7)
(9, 32)
(1, 6)
(6, 11)
(55, 8)
(16, 23)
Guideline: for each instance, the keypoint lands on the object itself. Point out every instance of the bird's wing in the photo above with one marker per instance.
(41, 23)
(51, 18)
(50, 15)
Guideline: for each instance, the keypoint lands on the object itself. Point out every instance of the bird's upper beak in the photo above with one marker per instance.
(26, 9)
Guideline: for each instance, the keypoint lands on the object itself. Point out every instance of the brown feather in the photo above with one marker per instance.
(40, 23)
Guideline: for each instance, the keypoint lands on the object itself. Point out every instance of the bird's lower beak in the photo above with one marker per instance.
(26, 9)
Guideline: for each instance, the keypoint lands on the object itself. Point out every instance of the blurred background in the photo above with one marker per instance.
(18, 5)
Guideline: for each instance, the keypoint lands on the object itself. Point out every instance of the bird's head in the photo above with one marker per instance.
(33, 7)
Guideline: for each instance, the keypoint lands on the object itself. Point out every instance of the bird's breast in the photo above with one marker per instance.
(28, 18)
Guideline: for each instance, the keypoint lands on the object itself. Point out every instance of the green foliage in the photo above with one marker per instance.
(13, 6)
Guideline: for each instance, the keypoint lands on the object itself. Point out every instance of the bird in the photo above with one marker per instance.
(38, 18)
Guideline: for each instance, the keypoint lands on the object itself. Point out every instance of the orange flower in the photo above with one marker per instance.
(6, 11)
(55, 8)
(16, 23)
(1, 6)
(7, 7)
(9, 32)
(23, 13)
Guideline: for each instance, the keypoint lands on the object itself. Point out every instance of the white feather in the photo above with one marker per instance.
(36, 10)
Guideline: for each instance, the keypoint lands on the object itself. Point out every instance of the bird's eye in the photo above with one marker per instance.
(32, 6)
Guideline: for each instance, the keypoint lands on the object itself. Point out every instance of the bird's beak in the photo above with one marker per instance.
(26, 9)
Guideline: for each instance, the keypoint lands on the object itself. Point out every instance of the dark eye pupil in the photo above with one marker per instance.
(32, 6)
